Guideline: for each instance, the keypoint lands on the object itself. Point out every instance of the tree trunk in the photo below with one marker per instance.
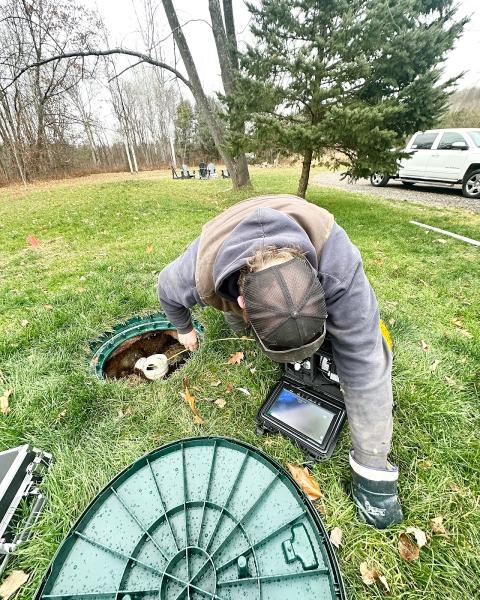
(303, 182)
(237, 166)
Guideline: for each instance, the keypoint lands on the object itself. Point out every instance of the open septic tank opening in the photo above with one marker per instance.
(203, 518)
(119, 353)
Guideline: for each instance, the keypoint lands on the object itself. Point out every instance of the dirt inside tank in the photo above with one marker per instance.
(121, 361)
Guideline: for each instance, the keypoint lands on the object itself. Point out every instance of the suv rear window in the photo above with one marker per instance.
(424, 141)
(448, 139)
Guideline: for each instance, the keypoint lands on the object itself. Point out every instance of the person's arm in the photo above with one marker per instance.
(177, 291)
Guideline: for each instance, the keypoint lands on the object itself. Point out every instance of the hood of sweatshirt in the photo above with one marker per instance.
(263, 227)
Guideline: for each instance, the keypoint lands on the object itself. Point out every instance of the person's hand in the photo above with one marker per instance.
(189, 340)
(375, 494)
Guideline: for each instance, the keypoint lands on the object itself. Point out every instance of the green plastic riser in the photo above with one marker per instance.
(111, 340)
(202, 518)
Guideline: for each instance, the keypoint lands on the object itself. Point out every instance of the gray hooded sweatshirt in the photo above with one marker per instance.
(362, 357)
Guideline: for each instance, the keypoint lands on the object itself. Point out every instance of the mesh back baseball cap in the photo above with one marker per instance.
(285, 304)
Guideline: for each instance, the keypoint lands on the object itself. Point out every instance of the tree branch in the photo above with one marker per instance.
(109, 52)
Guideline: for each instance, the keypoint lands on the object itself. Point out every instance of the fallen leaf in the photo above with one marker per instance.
(384, 582)
(24, 323)
(425, 463)
(455, 488)
(4, 406)
(253, 370)
(229, 388)
(391, 322)
(81, 290)
(461, 328)
(216, 383)
(236, 358)
(125, 413)
(305, 481)
(407, 548)
(336, 537)
(440, 241)
(419, 535)
(434, 365)
(437, 526)
(450, 381)
(149, 249)
(220, 402)
(13, 583)
(33, 241)
(48, 307)
(61, 416)
(424, 345)
(191, 401)
(368, 575)
(244, 391)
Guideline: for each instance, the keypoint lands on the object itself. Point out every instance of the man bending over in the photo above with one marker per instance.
(282, 267)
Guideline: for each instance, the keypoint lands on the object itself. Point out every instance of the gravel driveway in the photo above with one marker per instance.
(395, 190)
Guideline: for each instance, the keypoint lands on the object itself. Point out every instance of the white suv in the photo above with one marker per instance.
(444, 156)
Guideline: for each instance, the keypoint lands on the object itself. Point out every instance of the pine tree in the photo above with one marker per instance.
(345, 78)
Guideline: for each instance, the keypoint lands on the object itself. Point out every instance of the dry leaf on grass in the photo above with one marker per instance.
(235, 358)
(370, 576)
(253, 370)
(216, 383)
(4, 405)
(125, 413)
(434, 365)
(440, 241)
(460, 327)
(437, 526)
(12, 584)
(220, 402)
(244, 391)
(407, 548)
(149, 249)
(48, 307)
(391, 322)
(24, 323)
(229, 388)
(425, 463)
(33, 241)
(419, 535)
(384, 582)
(61, 416)
(190, 400)
(305, 481)
(424, 345)
(336, 537)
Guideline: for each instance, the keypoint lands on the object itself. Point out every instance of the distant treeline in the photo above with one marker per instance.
(464, 109)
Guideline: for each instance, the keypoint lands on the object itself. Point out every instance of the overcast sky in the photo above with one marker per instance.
(122, 22)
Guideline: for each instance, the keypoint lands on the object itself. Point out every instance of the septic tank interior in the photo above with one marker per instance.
(118, 353)
(201, 518)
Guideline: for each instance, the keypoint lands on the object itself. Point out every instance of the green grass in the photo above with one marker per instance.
(92, 267)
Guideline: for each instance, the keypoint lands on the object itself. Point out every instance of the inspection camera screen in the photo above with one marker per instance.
(305, 416)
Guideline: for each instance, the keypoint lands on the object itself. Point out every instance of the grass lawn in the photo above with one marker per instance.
(94, 267)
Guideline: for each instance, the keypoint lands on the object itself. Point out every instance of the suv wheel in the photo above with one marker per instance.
(471, 184)
(379, 179)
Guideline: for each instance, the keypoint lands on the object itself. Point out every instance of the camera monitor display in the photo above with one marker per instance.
(302, 415)
(311, 418)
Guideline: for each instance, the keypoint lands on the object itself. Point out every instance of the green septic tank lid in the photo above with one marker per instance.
(202, 518)
(103, 347)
